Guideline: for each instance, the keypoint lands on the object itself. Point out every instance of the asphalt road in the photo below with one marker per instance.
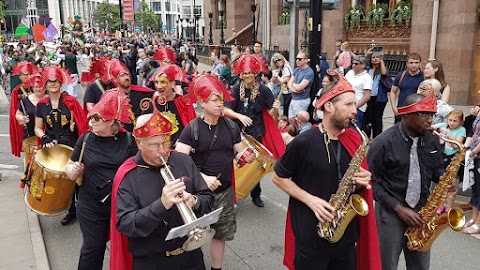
(258, 242)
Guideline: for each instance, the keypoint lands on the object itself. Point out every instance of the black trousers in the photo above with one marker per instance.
(286, 99)
(373, 118)
(94, 222)
(192, 260)
(73, 209)
(257, 190)
(331, 258)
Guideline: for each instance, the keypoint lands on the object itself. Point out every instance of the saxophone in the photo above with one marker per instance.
(422, 238)
(346, 204)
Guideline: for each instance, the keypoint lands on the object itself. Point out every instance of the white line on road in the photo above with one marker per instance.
(4, 135)
(9, 167)
(4, 115)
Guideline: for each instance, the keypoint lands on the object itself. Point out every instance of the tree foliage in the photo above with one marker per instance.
(107, 14)
(1, 11)
(146, 18)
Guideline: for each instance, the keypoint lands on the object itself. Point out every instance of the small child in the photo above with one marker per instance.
(283, 124)
(453, 130)
(266, 77)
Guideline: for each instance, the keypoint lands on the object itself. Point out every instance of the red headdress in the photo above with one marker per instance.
(342, 86)
(99, 66)
(114, 69)
(36, 78)
(165, 54)
(24, 67)
(173, 72)
(204, 86)
(152, 124)
(250, 63)
(428, 104)
(113, 105)
(53, 73)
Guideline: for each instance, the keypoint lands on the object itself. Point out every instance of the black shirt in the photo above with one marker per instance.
(57, 122)
(30, 108)
(141, 214)
(102, 157)
(306, 162)
(135, 99)
(93, 92)
(219, 159)
(253, 109)
(389, 162)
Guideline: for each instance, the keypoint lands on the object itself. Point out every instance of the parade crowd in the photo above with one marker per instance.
(154, 138)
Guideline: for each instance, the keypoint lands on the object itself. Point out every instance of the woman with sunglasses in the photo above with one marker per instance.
(105, 148)
(281, 73)
(59, 118)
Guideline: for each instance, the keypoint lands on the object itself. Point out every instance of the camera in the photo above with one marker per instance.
(377, 51)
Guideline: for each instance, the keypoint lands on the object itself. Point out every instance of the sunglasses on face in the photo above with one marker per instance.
(426, 114)
(355, 63)
(96, 117)
(300, 59)
(278, 60)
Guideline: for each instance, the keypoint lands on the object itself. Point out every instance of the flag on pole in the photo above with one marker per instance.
(50, 32)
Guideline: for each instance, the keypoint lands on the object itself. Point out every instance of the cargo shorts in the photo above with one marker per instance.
(226, 226)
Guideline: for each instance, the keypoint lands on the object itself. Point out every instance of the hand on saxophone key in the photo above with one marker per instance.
(362, 178)
(323, 210)
(171, 191)
(408, 215)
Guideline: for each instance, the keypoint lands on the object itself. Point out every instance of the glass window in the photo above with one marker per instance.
(198, 10)
(167, 5)
(187, 11)
(156, 6)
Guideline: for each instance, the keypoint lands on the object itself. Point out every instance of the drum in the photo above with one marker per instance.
(50, 190)
(248, 176)
(29, 145)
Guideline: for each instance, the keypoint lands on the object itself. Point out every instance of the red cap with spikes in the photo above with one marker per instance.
(428, 104)
(250, 63)
(53, 73)
(204, 86)
(165, 54)
(24, 67)
(173, 72)
(152, 124)
(113, 105)
(342, 86)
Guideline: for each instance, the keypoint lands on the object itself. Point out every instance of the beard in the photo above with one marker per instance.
(339, 122)
(126, 84)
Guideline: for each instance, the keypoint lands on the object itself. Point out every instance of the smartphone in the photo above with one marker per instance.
(377, 51)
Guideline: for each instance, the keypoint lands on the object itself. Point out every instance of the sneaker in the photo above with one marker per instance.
(258, 202)
(69, 218)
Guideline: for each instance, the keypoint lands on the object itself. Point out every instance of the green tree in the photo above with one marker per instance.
(145, 17)
(1, 11)
(107, 16)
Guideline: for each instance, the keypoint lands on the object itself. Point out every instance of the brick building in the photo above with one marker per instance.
(457, 36)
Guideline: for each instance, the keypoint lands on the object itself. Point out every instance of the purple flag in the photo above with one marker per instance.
(50, 32)
(45, 19)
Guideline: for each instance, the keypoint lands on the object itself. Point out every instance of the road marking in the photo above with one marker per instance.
(9, 167)
(4, 115)
(4, 135)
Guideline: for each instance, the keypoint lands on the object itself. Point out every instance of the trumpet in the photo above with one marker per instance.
(197, 237)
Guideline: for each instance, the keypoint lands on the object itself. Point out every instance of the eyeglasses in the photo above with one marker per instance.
(376, 57)
(157, 146)
(426, 114)
(96, 117)
(278, 60)
(355, 63)
(300, 59)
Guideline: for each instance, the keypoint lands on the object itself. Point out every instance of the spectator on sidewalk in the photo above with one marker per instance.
(362, 83)
(300, 84)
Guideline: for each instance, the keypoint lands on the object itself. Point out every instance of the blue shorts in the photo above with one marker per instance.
(298, 105)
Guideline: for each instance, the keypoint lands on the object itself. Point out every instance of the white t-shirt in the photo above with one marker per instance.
(360, 82)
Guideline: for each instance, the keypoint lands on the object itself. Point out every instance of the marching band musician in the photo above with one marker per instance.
(213, 149)
(170, 104)
(142, 202)
(23, 69)
(59, 118)
(310, 178)
(97, 156)
(253, 108)
(400, 184)
(95, 89)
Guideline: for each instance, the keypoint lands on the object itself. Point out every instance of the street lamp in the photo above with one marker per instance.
(210, 36)
(197, 26)
(178, 27)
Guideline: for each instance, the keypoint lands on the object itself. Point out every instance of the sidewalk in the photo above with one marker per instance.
(21, 241)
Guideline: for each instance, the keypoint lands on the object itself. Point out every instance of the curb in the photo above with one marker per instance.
(38, 244)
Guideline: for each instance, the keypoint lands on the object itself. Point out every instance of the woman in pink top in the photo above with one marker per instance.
(344, 60)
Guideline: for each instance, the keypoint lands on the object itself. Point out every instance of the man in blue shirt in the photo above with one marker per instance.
(406, 83)
(300, 84)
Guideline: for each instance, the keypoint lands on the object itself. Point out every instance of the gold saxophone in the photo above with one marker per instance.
(422, 238)
(346, 204)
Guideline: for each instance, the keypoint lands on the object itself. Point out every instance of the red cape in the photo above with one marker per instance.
(272, 139)
(368, 250)
(186, 111)
(76, 109)
(120, 257)
(16, 130)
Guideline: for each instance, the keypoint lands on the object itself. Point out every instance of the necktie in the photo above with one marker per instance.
(414, 177)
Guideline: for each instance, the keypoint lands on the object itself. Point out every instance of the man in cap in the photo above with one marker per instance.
(310, 178)
(404, 159)
(171, 105)
(142, 202)
(213, 141)
(362, 82)
(253, 108)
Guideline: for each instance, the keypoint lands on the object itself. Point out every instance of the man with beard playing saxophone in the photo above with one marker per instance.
(313, 176)
(400, 184)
